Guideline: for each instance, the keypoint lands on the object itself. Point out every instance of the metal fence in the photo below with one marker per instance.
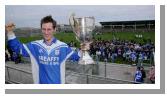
(75, 74)
(18, 74)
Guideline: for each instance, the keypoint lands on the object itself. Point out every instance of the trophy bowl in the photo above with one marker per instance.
(83, 28)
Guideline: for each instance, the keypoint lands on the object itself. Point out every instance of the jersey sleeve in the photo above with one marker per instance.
(75, 56)
(17, 46)
(69, 53)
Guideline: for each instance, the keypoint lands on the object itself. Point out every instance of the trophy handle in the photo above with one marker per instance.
(75, 25)
(72, 20)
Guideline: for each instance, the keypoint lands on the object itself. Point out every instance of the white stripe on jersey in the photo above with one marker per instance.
(34, 65)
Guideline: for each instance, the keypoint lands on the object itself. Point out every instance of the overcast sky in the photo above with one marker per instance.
(30, 16)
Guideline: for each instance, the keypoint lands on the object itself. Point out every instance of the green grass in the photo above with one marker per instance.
(29, 39)
(129, 36)
(65, 37)
(68, 37)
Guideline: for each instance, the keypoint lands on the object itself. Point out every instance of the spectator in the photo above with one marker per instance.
(151, 75)
(140, 60)
(138, 76)
(97, 56)
(16, 58)
(7, 55)
(143, 74)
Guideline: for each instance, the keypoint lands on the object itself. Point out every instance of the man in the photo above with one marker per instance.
(48, 55)
(138, 76)
(7, 55)
(140, 59)
(151, 75)
(143, 74)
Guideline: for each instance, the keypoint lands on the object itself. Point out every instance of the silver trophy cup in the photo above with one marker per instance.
(83, 27)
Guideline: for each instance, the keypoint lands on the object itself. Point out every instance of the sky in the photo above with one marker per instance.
(30, 15)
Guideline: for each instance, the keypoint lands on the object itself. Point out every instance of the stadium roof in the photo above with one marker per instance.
(128, 22)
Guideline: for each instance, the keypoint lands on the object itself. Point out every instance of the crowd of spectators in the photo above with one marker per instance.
(125, 50)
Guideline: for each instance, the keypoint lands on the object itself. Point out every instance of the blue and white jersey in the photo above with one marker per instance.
(48, 62)
(138, 76)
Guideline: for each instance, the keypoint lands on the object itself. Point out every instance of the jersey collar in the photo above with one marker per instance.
(53, 41)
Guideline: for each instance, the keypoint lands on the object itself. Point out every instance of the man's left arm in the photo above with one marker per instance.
(75, 56)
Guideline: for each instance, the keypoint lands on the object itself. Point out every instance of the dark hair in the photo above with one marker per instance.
(48, 19)
(138, 68)
(141, 67)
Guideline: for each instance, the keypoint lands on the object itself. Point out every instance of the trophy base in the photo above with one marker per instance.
(86, 59)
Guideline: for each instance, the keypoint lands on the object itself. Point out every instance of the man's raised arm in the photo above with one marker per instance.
(13, 42)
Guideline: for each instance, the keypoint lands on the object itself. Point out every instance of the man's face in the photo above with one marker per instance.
(47, 31)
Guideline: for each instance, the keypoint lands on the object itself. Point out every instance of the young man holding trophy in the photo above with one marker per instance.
(48, 55)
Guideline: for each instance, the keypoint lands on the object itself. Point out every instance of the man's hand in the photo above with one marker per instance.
(9, 27)
(85, 46)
